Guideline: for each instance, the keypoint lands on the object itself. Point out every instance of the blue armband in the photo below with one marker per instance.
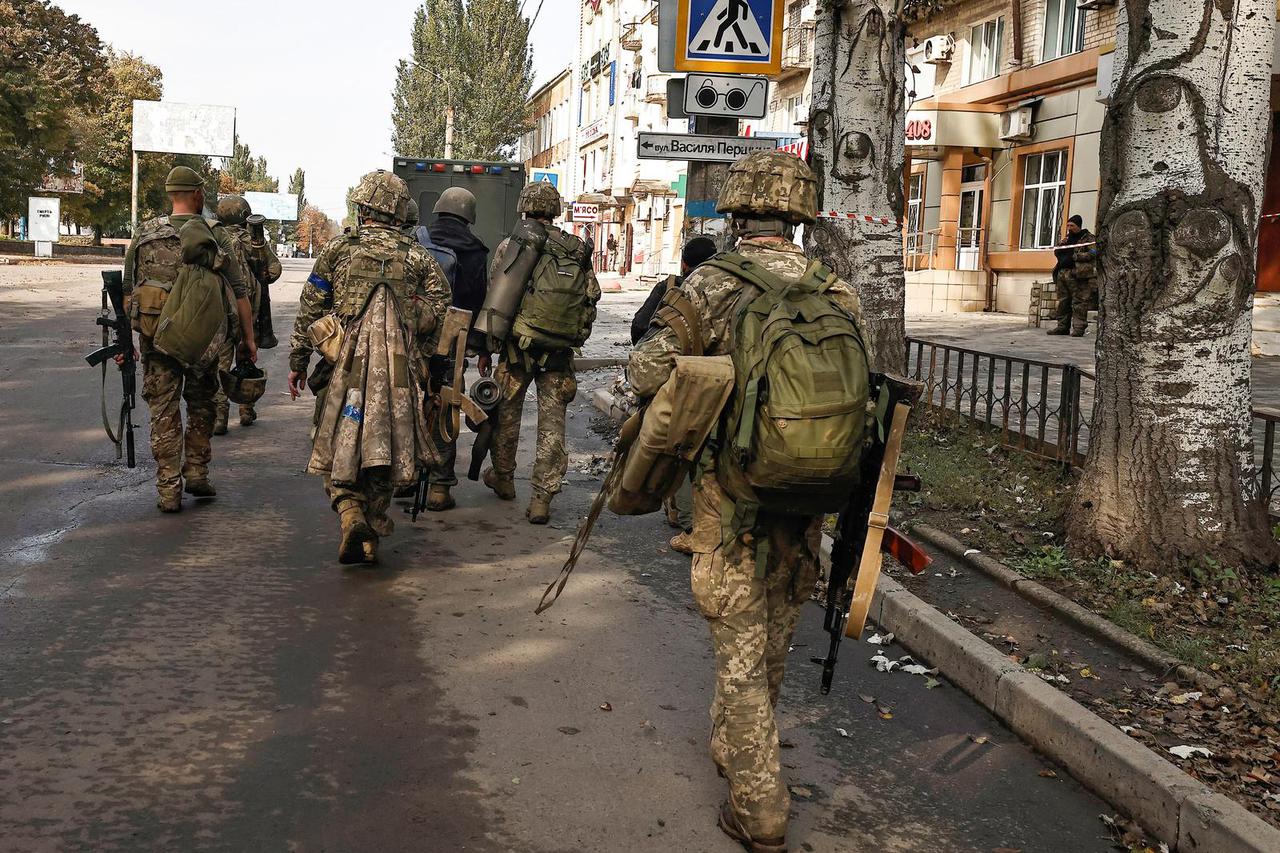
(319, 283)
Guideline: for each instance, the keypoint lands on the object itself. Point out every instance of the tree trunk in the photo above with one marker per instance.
(1169, 474)
(857, 136)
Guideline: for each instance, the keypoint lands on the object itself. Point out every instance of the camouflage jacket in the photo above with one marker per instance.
(329, 290)
(261, 258)
(161, 264)
(716, 295)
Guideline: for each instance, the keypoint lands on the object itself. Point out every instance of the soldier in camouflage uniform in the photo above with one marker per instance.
(752, 619)
(551, 371)
(150, 267)
(336, 287)
(261, 261)
(1076, 277)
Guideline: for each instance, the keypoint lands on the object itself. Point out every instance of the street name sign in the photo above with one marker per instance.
(730, 36)
(734, 95)
(700, 148)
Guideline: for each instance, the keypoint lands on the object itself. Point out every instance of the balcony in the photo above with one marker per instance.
(797, 49)
(631, 38)
(631, 105)
(655, 88)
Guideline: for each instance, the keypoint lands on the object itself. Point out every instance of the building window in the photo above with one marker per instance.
(915, 214)
(1044, 192)
(985, 43)
(1063, 29)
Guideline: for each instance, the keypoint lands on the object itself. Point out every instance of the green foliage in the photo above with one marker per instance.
(1051, 562)
(106, 136)
(246, 173)
(474, 58)
(51, 62)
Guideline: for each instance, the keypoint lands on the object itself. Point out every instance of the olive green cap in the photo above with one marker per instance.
(183, 179)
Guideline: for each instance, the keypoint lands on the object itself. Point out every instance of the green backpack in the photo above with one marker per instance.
(793, 436)
(556, 312)
(197, 318)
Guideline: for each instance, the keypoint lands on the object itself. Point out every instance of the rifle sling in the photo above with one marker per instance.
(580, 541)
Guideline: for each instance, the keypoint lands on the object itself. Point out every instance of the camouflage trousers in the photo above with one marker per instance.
(752, 622)
(373, 492)
(165, 383)
(1076, 295)
(556, 390)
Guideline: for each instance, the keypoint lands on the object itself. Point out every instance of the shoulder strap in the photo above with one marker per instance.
(678, 314)
(747, 270)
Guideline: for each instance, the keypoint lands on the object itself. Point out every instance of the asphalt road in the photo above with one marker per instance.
(214, 681)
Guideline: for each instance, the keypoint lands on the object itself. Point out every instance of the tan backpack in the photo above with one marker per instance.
(670, 432)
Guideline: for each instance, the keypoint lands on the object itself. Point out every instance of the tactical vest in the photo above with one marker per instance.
(157, 258)
(370, 263)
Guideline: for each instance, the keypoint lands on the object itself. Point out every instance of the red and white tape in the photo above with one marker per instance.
(861, 217)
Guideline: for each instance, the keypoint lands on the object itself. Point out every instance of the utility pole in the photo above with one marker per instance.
(448, 128)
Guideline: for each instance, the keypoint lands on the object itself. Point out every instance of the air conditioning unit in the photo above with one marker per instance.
(1015, 125)
(939, 49)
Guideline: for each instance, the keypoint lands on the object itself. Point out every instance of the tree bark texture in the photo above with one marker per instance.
(1169, 473)
(856, 138)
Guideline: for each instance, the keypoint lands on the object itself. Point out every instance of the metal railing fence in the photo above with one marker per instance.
(1043, 407)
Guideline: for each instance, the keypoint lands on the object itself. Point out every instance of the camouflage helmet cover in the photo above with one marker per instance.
(539, 199)
(233, 210)
(383, 194)
(770, 185)
(244, 384)
(411, 213)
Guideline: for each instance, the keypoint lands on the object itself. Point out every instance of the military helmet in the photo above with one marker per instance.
(411, 213)
(382, 196)
(539, 199)
(770, 185)
(244, 384)
(233, 210)
(459, 202)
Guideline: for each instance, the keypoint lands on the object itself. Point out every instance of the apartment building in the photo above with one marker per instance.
(1002, 137)
(548, 145)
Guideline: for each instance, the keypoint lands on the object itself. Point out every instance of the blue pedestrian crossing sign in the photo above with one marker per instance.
(545, 176)
(731, 36)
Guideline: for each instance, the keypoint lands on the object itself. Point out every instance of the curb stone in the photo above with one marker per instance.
(1042, 596)
(1174, 807)
(1177, 809)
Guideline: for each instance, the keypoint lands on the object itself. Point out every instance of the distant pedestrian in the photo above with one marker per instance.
(1075, 276)
(612, 246)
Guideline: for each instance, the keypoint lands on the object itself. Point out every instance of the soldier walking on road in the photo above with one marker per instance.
(151, 266)
(373, 303)
(258, 257)
(1076, 276)
(555, 315)
(455, 213)
(753, 568)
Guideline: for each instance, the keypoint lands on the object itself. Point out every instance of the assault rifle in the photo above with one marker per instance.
(120, 350)
(863, 530)
(263, 330)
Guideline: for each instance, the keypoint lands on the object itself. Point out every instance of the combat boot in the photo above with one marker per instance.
(220, 418)
(682, 543)
(731, 826)
(539, 511)
(199, 487)
(355, 533)
(380, 523)
(1057, 330)
(503, 487)
(371, 550)
(1078, 331)
(247, 416)
(439, 499)
(169, 501)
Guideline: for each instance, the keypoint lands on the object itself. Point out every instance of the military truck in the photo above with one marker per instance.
(496, 186)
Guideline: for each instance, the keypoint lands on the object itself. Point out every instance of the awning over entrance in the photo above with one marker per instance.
(968, 127)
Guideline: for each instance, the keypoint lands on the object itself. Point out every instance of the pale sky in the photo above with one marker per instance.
(311, 80)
